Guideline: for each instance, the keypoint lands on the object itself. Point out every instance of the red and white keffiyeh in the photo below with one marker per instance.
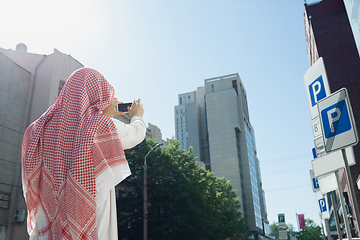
(63, 153)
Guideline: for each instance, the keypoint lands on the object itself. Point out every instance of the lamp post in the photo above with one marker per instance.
(145, 191)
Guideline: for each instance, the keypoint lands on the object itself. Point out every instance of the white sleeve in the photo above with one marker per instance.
(131, 134)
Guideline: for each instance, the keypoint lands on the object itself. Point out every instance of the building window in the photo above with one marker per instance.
(181, 119)
(212, 87)
(186, 119)
(177, 128)
(177, 121)
(4, 200)
(180, 110)
(187, 136)
(186, 127)
(180, 101)
(185, 110)
(182, 145)
(189, 98)
(187, 144)
(177, 136)
(176, 111)
(182, 129)
(182, 137)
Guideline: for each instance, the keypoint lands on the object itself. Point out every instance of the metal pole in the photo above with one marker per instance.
(322, 228)
(336, 216)
(327, 225)
(341, 196)
(351, 190)
(145, 201)
(145, 213)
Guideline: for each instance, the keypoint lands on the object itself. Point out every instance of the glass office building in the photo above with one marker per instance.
(215, 121)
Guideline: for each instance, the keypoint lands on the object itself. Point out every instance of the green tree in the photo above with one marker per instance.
(311, 232)
(184, 201)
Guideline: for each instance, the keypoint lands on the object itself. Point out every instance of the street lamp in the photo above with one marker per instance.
(145, 191)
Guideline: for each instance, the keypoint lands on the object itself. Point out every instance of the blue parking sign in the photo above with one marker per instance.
(322, 205)
(314, 153)
(281, 218)
(336, 119)
(315, 183)
(317, 86)
(317, 90)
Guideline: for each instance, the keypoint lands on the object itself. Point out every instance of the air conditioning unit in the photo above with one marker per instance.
(19, 215)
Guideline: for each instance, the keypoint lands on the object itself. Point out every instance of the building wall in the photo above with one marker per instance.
(29, 85)
(227, 142)
(187, 123)
(155, 132)
(329, 29)
(15, 82)
(53, 69)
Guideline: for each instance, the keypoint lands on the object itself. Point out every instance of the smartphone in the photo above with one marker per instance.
(123, 107)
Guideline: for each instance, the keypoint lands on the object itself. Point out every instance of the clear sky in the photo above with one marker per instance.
(156, 49)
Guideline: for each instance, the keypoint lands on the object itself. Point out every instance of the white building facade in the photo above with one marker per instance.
(215, 121)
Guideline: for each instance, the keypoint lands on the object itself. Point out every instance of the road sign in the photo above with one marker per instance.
(319, 146)
(281, 218)
(292, 236)
(314, 153)
(327, 183)
(337, 121)
(317, 85)
(316, 127)
(314, 182)
(283, 236)
(332, 162)
(323, 205)
(282, 227)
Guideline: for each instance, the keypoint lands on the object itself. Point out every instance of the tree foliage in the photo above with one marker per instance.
(185, 201)
(311, 232)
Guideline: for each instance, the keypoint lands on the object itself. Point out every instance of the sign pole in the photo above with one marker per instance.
(341, 196)
(327, 229)
(336, 216)
(351, 190)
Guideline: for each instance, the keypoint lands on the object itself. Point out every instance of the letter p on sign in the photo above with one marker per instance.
(317, 90)
(322, 205)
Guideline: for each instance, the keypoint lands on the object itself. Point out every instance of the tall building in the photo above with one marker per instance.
(329, 35)
(155, 132)
(30, 83)
(215, 121)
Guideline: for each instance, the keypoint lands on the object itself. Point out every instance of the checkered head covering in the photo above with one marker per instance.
(65, 152)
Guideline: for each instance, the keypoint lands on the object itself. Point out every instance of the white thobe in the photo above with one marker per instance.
(130, 136)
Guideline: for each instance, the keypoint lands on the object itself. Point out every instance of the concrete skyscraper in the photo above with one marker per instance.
(215, 121)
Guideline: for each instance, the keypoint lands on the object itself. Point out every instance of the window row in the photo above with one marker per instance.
(182, 128)
(182, 136)
(187, 145)
(181, 111)
(181, 120)
(181, 100)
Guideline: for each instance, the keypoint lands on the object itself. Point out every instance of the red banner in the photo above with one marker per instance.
(301, 219)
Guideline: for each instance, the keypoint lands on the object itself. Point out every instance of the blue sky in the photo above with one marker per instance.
(156, 49)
